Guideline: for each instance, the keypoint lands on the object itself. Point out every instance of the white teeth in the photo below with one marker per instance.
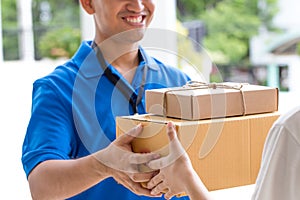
(134, 19)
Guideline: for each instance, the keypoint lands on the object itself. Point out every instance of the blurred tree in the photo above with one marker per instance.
(230, 24)
(190, 9)
(64, 43)
(49, 16)
(10, 30)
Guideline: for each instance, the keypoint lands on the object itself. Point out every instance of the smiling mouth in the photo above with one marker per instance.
(134, 19)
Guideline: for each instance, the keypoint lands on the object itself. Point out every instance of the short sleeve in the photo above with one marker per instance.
(49, 130)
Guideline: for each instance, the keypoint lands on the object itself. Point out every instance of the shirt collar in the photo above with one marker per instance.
(86, 60)
(152, 64)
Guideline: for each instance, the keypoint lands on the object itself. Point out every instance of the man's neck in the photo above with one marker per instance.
(123, 56)
(127, 61)
(127, 64)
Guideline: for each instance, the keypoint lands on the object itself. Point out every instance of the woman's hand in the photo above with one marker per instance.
(176, 174)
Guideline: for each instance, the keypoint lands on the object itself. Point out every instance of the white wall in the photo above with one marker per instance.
(16, 78)
(160, 39)
(87, 25)
(26, 41)
(289, 15)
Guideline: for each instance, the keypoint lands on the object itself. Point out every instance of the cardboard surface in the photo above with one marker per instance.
(224, 152)
(205, 103)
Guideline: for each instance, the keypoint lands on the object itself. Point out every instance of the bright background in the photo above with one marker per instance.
(16, 78)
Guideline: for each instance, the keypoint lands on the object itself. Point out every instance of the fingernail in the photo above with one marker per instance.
(139, 126)
(170, 125)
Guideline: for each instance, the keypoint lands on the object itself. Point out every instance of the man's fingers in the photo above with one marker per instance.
(137, 188)
(126, 138)
(155, 181)
(141, 177)
(158, 164)
(125, 180)
(169, 195)
(142, 158)
(160, 188)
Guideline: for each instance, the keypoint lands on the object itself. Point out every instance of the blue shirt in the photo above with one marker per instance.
(74, 110)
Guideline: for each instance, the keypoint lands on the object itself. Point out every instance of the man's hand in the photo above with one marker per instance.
(123, 164)
(119, 156)
(132, 182)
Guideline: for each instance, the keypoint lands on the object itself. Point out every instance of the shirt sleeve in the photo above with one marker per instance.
(48, 132)
(279, 176)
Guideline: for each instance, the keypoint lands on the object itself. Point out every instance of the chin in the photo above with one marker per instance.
(131, 36)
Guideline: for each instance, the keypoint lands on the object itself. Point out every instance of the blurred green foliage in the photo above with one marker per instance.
(54, 23)
(9, 30)
(229, 24)
(59, 43)
(56, 28)
(298, 49)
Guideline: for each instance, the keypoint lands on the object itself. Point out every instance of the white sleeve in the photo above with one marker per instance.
(279, 175)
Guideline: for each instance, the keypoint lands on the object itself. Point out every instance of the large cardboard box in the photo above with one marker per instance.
(224, 152)
(212, 100)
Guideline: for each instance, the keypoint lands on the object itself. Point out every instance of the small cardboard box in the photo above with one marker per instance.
(224, 152)
(212, 101)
